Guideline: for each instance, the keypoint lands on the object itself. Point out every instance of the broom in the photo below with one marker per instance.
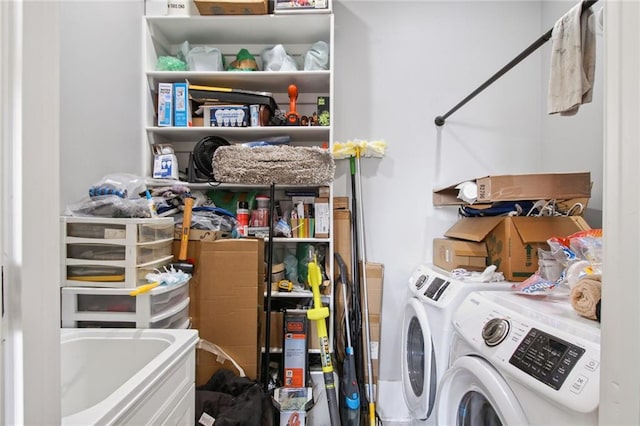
(356, 149)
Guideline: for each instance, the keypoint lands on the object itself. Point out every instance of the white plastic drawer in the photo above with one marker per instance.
(132, 231)
(139, 254)
(175, 320)
(158, 300)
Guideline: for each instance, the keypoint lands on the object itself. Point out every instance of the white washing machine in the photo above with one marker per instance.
(520, 360)
(427, 332)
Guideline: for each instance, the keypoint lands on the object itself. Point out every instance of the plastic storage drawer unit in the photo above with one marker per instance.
(162, 307)
(113, 253)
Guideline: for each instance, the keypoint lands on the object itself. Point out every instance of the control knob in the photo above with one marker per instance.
(495, 331)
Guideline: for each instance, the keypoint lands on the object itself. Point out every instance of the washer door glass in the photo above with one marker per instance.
(472, 392)
(475, 409)
(418, 361)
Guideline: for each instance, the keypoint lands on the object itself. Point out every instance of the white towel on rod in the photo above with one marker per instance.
(573, 58)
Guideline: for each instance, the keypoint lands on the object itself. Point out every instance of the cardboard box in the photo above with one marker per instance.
(165, 104)
(226, 307)
(513, 242)
(226, 116)
(542, 186)
(181, 110)
(341, 203)
(449, 254)
(299, 5)
(375, 273)
(342, 238)
(232, 7)
(321, 207)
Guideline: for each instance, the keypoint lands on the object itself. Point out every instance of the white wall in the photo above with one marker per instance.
(397, 68)
(30, 201)
(100, 93)
(575, 143)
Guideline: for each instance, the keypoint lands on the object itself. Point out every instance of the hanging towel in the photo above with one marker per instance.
(586, 295)
(572, 62)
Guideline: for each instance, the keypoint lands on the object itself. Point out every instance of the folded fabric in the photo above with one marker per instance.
(572, 62)
(585, 297)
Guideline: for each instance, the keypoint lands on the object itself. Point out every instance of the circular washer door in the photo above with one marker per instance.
(419, 378)
(473, 393)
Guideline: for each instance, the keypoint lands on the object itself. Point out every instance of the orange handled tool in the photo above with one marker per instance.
(293, 118)
(186, 226)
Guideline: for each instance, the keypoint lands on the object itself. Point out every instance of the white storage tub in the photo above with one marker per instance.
(128, 377)
(162, 307)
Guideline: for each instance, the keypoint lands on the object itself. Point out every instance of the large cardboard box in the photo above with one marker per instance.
(226, 307)
(513, 242)
(342, 238)
(450, 253)
(375, 281)
(232, 7)
(540, 186)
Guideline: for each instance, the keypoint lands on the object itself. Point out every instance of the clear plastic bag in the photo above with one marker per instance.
(276, 58)
(317, 58)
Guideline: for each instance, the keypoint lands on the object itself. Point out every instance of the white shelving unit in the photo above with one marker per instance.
(163, 35)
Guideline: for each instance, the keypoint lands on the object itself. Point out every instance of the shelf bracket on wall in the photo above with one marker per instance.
(440, 120)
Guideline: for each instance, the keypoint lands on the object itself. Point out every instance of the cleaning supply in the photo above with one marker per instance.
(354, 150)
(152, 205)
(349, 389)
(319, 314)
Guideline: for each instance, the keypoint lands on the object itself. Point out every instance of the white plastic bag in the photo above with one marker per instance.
(317, 58)
(277, 59)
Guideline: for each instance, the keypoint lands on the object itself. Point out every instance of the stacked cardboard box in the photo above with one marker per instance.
(227, 294)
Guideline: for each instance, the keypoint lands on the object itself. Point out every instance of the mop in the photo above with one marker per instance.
(356, 149)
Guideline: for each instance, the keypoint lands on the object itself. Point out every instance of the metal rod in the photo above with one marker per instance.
(267, 309)
(440, 120)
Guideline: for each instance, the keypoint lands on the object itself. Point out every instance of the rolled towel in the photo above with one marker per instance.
(586, 295)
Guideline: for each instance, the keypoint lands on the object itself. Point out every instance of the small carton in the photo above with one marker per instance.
(232, 7)
(226, 115)
(450, 253)
(182, 113)
(513, 242)
(165, 104)
(541, 186)
(321, 207)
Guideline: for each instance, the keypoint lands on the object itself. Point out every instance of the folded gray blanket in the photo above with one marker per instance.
(279, 164)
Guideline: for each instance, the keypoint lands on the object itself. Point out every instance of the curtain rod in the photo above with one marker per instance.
(440, 120)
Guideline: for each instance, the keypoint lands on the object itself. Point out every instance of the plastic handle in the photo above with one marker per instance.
(186, 226)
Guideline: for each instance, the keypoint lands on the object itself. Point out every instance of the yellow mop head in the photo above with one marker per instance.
(358, 147)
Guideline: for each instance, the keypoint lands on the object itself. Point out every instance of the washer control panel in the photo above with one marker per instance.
(542, 344)
(545, 357)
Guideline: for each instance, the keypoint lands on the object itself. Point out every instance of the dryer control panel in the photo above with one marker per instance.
(428, 283)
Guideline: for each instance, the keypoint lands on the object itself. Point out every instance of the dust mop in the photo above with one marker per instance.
(356, 149)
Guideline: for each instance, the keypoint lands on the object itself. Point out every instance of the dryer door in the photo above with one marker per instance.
(419, 378)
(473, 393)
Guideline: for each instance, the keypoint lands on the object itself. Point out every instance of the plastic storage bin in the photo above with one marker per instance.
(113, 253)
(162, 307)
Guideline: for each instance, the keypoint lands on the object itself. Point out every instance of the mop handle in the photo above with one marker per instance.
(367, 333)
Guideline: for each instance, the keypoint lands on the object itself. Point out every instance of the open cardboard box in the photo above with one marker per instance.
(513, 242)
(540, 186)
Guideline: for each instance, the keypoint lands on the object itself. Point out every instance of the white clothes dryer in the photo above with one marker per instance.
(520, 360)
(427, 332)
